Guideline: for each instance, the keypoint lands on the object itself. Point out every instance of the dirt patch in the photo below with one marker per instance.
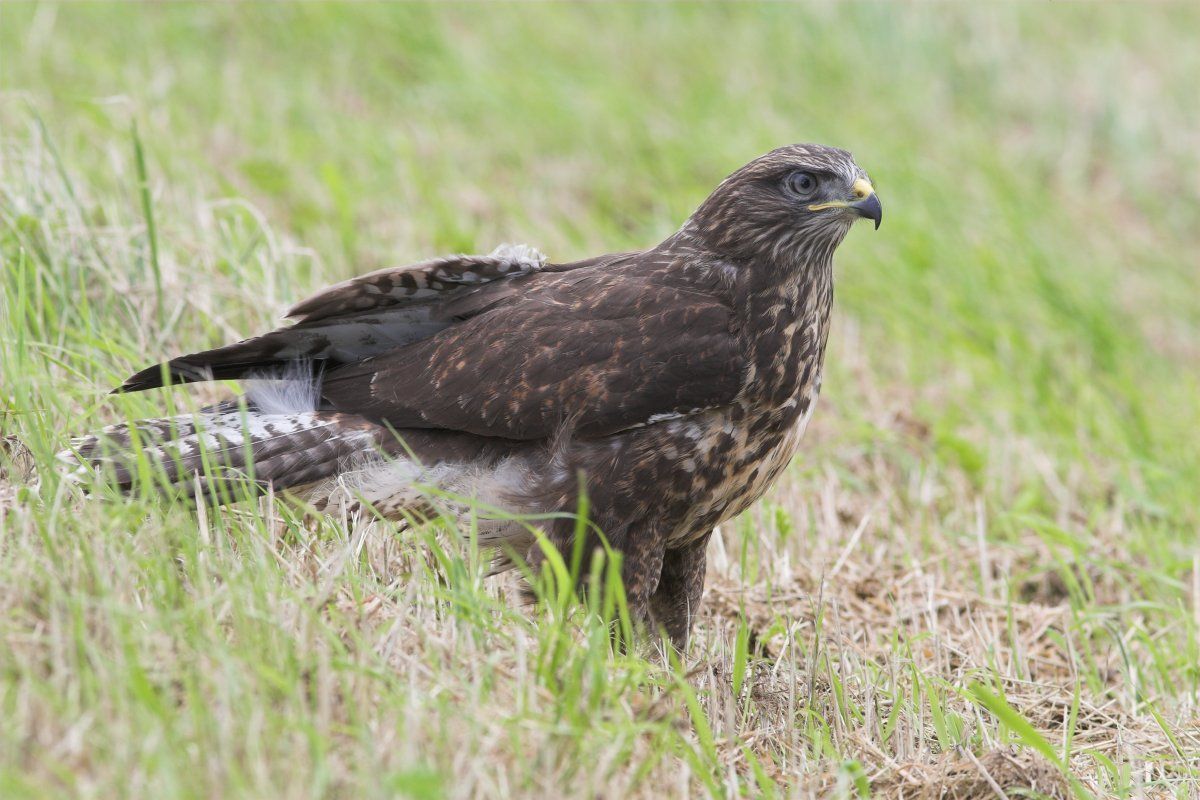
(965, 776)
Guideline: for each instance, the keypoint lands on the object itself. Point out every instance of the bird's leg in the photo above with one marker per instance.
(641, 549)
(674, 604)
(641, 568)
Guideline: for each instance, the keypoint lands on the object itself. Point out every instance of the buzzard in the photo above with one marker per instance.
(672, 384)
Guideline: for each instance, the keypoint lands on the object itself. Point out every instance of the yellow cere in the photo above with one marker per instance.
(862, 188)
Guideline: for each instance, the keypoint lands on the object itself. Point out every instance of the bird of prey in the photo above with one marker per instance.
(672, 384)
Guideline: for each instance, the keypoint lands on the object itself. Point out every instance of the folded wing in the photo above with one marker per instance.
(358, 318)
(501, 346)
(599, 352)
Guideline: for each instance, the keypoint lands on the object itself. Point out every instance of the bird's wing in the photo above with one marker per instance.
(365, 316)
(596, 351)
(417, 284)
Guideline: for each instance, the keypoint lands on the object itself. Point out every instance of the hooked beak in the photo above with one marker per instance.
(865, 204)
(870, 208)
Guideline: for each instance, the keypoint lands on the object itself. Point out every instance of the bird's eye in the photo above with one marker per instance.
(802, 184)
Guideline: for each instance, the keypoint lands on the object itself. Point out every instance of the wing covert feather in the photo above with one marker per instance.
(439, 278)
(361, 317)
(598, 352)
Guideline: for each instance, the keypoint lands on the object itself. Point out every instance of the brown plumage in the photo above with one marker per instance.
(676, 381)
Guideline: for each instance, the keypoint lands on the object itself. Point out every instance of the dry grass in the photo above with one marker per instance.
(849, 622)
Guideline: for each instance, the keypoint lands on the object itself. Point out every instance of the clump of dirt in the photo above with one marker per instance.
(16, 469)
(16, 460)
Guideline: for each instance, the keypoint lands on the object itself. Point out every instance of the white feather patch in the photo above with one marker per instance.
(294, 390)
(522, 257)
(468, 493)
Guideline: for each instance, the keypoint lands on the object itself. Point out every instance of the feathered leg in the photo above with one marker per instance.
(641, 550)
(641, 566)
(676, 598)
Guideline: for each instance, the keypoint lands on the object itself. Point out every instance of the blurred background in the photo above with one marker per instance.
(1024, 327)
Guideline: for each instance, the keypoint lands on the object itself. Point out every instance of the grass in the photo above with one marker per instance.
(982, 573)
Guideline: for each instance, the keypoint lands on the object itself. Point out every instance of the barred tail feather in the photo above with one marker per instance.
(226, 443)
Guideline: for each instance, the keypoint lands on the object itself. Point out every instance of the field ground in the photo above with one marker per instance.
(983, 568)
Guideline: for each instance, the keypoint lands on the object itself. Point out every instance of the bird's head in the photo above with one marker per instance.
(792, 205)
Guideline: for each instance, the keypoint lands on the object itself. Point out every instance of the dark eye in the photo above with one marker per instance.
(801, 183)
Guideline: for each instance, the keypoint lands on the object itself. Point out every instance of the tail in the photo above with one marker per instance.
(225, 444)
